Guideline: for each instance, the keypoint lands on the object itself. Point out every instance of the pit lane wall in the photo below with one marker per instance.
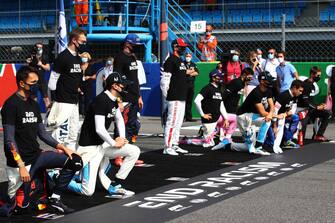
(151, 90)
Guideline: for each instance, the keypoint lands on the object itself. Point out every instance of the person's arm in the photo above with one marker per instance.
(45, 136)
(261, 110)
(213, 44)
(189, 72)
(120, 123)
(45, 67)
(10, 145)
(277, 108)
(294, 72)
(271, 105)
(197, 102)
(201, 43)
(102, 131)
(49, 140)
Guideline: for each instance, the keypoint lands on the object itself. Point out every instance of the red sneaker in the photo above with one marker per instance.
(320, 138)
(118, 161)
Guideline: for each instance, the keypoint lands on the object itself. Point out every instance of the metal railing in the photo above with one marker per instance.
(113, 16)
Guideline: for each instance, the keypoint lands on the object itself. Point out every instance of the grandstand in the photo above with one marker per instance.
(306, 30)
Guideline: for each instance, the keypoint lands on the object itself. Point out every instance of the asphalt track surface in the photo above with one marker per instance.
(304, 195)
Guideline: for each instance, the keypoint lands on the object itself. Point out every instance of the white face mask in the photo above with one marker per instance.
(188, 59)
(259, 56)
(109, 62)
(280, 59)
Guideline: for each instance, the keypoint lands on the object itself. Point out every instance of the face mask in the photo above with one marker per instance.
(235, 58)
(81, 48)
(247, 79)
(39, 51)
(33, 89)
(84, 59)
(316, 79)
(109, 62)
(268, 85)
(208, 33)
(259, 56)
(271, 56)
(280, 59)
(188, 59)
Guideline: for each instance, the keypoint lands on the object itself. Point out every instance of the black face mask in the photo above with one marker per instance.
(268, 85)
(33, 89)
(316, 79)
(81, 48)
(246, 79)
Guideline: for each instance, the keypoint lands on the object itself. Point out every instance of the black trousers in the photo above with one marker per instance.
(312, 114)
(189, 100)
(49, 160)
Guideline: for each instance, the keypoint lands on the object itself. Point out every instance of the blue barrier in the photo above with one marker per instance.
(150, 91)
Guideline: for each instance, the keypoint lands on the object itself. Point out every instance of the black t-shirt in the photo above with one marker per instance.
(305, 99)
(230, 95)
(177, 88)
(86, 86)
(190, 65)
(211, 102)
(68, 66)
(101, 105)
(127, 65)
(25, 116)
(41, 80)
(256, 96)
(286, 100)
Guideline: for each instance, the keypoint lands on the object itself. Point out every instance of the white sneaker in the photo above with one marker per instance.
(221, 145)
(179, 150)
(277, 149)
(206, 145)
(170, 151)
(119, 192)
(260, 151)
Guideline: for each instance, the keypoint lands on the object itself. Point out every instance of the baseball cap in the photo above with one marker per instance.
(134, 39)
(117, 78)
(215, 73)
(179, 42)
(265, 75)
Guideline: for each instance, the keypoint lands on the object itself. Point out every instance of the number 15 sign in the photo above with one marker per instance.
(198, 26)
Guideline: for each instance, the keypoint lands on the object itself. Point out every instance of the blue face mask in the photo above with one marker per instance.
(84, 60)
(235, 58)
(271, 56)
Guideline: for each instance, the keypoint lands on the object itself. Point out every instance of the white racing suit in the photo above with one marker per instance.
(175, 118)
(247, 123)
(64, 121)
(97, 158)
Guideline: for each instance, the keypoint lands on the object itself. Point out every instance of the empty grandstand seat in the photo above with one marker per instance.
(257, 18)
(267, 18)
(324, 17)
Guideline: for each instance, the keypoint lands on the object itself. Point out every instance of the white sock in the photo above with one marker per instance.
(56, 196)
